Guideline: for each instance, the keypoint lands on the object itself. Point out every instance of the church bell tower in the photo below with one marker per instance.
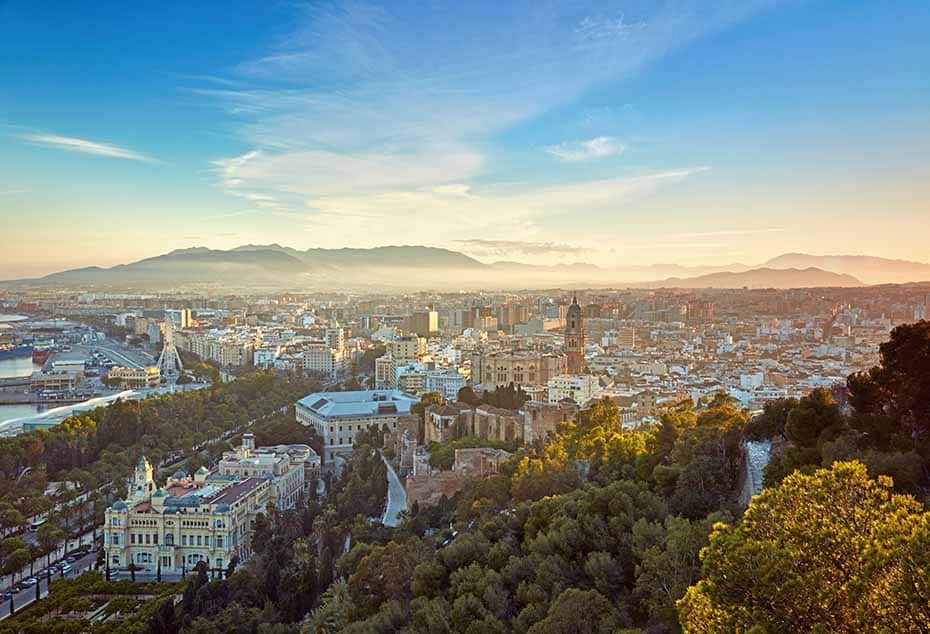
(574, 338)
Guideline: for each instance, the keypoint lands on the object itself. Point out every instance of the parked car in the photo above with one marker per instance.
(54, 570)
(15, 590)
(66, 568)
(31, 581)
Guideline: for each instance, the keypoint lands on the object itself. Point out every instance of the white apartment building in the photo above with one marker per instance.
(410, 378)
(181, 317)
(447, 384)
(338, 416)
(319, 357)
(336, 337)
(580, 388)
(407, 349)
(265, 356)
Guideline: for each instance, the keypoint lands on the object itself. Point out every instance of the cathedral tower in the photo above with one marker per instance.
(574, 338)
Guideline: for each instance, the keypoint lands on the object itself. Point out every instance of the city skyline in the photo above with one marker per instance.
(691, 133)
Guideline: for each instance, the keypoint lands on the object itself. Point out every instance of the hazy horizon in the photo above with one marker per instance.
(691, 133)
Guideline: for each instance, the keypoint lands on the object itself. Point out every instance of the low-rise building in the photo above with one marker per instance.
(292, 468)
(338, 416)
(56, 380)
(446, 383)
(134, 378)
(580, 388)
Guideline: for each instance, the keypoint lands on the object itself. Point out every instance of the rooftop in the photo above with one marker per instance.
(235, 492)
(362, 403)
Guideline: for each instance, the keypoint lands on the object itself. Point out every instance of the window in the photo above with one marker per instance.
(219, 541)
(184, 540)
(199, 541)
(206, 540)
(169, 539)
(148, 538)
(114, 539)
(155, 538)
(132, 538)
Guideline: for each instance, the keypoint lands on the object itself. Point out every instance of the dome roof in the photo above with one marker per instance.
(160, 493)
(202, 470)
(180, 474)
(143, 463)
(119, 505)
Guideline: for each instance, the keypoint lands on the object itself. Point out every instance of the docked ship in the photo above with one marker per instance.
(14, 350)
(41, 355)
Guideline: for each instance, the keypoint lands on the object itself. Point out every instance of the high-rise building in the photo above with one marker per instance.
(336, 337)
(574, 338)
(424, 323)
(181, 317)
(407, 349)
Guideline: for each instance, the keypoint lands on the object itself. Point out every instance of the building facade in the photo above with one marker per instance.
(189, 520)
(579, 388)
(338, 416)
(290, 467)
(134, 378)
(520, 367)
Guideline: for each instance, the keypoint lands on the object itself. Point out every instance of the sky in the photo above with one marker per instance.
(629, 132)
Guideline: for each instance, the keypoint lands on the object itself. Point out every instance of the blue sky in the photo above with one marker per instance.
(609, 132)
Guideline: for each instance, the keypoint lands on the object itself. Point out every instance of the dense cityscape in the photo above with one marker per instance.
(418, 317)
(403, 408)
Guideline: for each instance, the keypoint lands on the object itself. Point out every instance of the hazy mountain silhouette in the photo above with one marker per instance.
(762, 278)
(869, 269)
(393, 267)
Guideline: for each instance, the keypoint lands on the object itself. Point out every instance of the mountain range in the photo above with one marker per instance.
(396, 267)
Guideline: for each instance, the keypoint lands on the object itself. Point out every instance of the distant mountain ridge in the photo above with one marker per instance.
(408, 266)
(869, 269)
(763, 278)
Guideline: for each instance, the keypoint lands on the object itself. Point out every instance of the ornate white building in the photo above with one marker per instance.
(208, 516)
(190, 519)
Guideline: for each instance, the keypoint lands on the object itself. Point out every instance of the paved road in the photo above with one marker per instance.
(28, 595)
(396, 497)
(120, 356)
(39, 563)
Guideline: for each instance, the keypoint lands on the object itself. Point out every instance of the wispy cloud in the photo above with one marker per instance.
(12, 190)
(74, 144)
(456, 209)
(364, 119)
(598, 147)
(508, 248)
(729, 232)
